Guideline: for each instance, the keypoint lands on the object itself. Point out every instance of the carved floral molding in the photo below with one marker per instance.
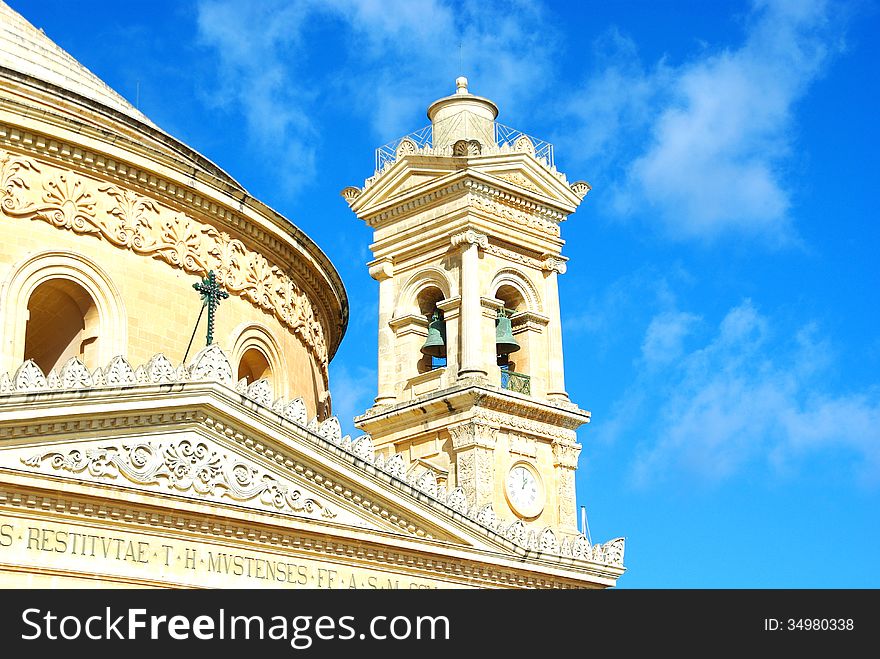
(131, 221)
(185, 466)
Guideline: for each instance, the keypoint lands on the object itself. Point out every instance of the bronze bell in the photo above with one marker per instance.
(504, 341)
(435, 344)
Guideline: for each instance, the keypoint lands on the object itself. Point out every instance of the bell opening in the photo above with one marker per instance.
(505, 344)
(435, 344)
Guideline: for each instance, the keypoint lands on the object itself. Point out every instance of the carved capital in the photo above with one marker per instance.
(470, 237)
(382, 269)
(473, 435)
(554, 264)
(565, 454)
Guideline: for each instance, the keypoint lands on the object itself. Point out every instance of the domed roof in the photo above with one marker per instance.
(44, 85)
(26, 49)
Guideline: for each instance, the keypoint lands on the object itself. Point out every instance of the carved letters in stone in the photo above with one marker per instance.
(134, 222)
(185, 466)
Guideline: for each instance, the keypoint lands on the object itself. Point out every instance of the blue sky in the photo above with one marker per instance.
(721, 304)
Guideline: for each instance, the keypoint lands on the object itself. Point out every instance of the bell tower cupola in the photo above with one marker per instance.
(466, 215)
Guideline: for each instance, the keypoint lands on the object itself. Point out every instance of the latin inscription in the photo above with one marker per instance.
(68, 547)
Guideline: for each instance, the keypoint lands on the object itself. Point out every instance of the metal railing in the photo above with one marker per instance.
(504, 136)
(387, 153)
(516, 382)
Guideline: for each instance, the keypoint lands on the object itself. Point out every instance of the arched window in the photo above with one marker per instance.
(62, 323)
(59, 305)
(254, 365)
(257, 355)
(427, 300)
(513, 303)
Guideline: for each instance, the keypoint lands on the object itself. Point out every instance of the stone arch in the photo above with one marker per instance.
(517, 280)
(408, 300)
(71, 269)
(254, 347)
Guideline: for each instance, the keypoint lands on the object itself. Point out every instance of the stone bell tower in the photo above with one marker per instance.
(466, 216)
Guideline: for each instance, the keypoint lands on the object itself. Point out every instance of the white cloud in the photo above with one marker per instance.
(665, 336)
(394, 57)
(712, 136)
(749, 396)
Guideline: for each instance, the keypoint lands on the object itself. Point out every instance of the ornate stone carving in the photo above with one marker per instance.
(211, 363)
(567, 497)
(486, 516)
(524, 143)
(472, 441)
(517, 423)
(350, 193)
(547, 542)
(554, 264)
(613, 551)
(99, 379)
(470, 237)
(516, 533)
(75, 375)
(472, 434)
(565, 454)
(581, 188)
(406, 147)
(457, 500)
(506, 206)
(160, 369)
(29, 377)
(260, 391)
(185, 466)
(295, 410)
(516, 257)
(362, 447)
(331, 430)
(134, 222)
(427, 483)
(518, 179)
(396, 467)
(53, 380)
(580, 548)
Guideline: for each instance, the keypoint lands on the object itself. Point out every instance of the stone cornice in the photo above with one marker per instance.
(294, 248)
(421, 557)
(137, 223)
(276, 431)
(484, 192)
(483, 400)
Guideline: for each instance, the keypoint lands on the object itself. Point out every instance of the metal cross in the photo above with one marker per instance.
(212, 294)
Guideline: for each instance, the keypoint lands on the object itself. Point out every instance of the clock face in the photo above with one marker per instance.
(524, 492)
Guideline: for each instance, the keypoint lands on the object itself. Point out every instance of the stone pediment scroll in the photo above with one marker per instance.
(187, 466)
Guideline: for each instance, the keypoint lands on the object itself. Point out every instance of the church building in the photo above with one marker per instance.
(134, 454)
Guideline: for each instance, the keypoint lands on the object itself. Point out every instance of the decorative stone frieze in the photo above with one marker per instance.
(137, 223)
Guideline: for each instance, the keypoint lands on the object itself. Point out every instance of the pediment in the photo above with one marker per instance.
(403, 177)
(525, 174)
(184, 465)
(170, 439)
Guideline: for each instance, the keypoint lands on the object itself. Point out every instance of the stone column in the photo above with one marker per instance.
(473, 447)
(565, 460)
(554, 266)
(470, 336)
(451, 314)
(383, 271)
